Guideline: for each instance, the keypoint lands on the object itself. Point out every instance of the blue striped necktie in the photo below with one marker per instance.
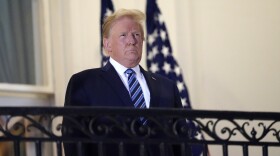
(136, 92)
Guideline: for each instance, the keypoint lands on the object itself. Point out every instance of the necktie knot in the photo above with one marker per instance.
(129, 71)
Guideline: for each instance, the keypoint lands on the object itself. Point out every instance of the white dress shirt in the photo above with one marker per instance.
(140, 77)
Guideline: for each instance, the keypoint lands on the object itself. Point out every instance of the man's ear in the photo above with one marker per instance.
(107, 45)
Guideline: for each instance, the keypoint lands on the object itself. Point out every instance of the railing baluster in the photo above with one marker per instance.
(225, 149)
(205, 150)
(162, 149)
(265, 150)
(100, 149)
(245, 150)
(142, 149)
(80, 148)
(189, 149)
(17, 148)
(59, 148)
(183, 149)
(38, 145)
(121, 149)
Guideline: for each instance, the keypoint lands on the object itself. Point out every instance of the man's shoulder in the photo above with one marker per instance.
(88, 73)
(91, 70)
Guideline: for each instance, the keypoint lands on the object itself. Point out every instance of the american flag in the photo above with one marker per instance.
(160, 60)
(107, 9)
(159, 52)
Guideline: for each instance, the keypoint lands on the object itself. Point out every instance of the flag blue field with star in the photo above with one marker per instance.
(107, 8)
(161, 61)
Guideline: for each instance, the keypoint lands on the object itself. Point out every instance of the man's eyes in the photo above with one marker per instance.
(134, 34)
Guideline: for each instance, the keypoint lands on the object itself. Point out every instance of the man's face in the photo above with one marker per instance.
(125, 42)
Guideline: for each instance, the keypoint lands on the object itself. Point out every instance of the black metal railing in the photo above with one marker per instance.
(186, 131)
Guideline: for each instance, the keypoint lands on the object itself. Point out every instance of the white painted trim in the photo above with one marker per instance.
(21, 88)
(46, 30)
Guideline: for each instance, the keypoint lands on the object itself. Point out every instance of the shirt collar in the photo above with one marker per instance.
(121, 69)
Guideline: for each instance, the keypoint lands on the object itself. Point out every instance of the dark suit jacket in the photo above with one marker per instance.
(103, 87)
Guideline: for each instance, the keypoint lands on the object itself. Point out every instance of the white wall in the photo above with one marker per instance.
(235, 54)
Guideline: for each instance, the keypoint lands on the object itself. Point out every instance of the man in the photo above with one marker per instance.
(122, 82)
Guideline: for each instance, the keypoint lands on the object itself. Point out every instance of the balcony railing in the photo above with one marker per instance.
(187, 130)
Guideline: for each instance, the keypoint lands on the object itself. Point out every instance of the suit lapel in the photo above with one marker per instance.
(111, 76)
(151, 82)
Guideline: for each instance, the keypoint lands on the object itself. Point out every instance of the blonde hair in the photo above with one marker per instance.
(136, 15)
